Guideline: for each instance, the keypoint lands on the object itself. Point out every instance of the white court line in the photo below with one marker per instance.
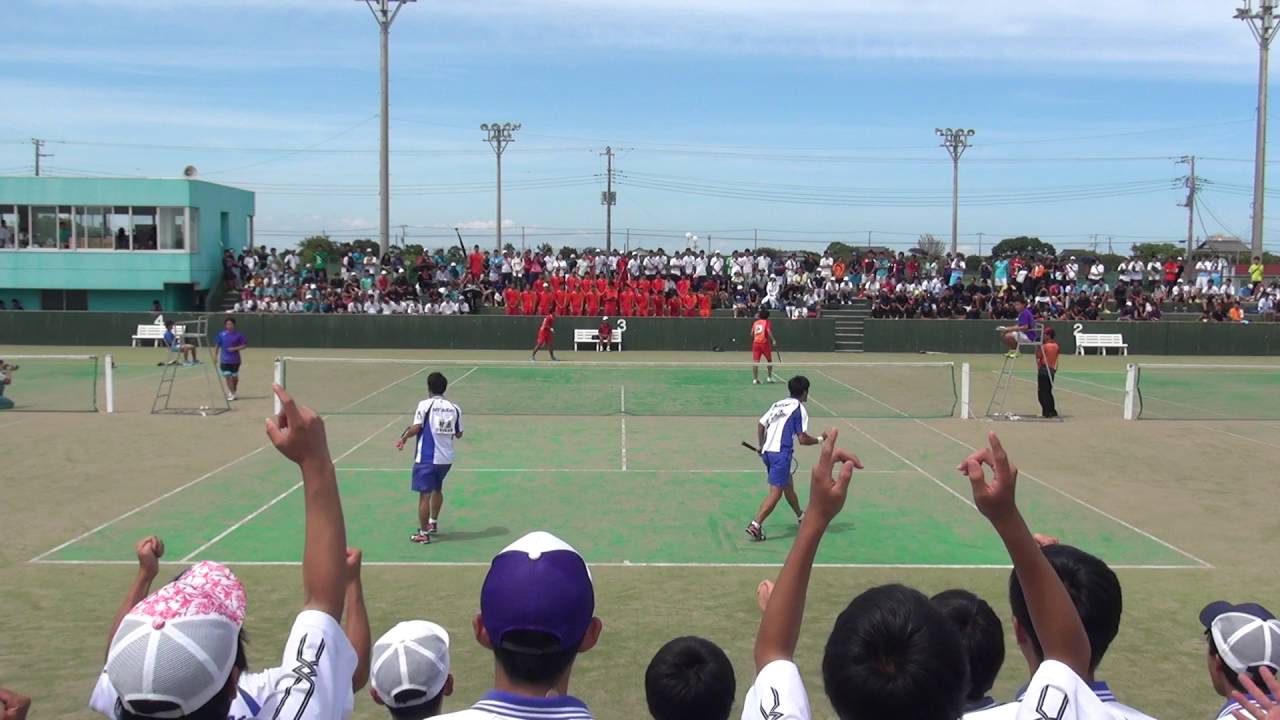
(146, 505)
(623, 400)
(15, 422)
(891, 451)
(298, 484)
(1083, 503)
(206, 476)
(1056, 489)
(607, 470)
(626, 564)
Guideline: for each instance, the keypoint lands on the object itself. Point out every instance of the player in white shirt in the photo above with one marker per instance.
(779, 429)
(437, 422)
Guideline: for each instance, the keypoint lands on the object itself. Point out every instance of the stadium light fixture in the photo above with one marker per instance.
(956, 141)
(499, 136)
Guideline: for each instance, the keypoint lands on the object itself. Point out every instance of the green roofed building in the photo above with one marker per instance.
(117, 243)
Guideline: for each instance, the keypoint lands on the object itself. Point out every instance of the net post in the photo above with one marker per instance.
(109, 376)
(278, 379)
(965, 412)
(1130, 392)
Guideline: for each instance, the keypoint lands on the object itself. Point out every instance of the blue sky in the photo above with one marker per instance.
(810, 120)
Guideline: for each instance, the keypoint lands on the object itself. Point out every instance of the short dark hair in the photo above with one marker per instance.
(1254, 673)
(690, 678)
(763, 314)
(1094, 590)
(798, 386)
(981, 636)
(1050, 333)
(168, 324)
(218, 707)
(892, 653)
(437, 383)
(534, 668)
(417, 711)
(229, 320)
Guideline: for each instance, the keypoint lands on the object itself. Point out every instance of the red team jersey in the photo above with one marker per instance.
(628, 299)
(601, 284)
(642, 301)
(544, 331)
(593, 302)
(530, 301)
(574, 283)
(575, 301)
(610, 301)
(545, 300)
(562, 301)
(557, 283)
(760, 330)
(673, 306)
(690, 303)
(512, 296)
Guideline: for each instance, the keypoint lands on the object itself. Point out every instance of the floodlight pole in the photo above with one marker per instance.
(500, 136)
(956, 141)
(1262, 24)
(384, 16)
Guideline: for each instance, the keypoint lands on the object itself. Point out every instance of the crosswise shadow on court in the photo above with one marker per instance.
(465, 535)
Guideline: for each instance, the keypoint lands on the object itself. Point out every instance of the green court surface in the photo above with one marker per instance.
(633, 465)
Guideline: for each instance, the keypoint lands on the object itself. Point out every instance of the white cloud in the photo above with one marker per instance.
(485, 224)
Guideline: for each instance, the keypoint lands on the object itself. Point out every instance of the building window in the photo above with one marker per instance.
(121, 228)
(92, 228)
(171, 228)
(44, 227)
(8, 227)
(144, 228)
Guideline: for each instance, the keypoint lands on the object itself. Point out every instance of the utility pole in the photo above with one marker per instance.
(39, 148)
(755, 240)
(1262, 24)
(956, 141)
(980, 243)
(501, 135)
(608, 199)
(1192, 184)
(384, 16)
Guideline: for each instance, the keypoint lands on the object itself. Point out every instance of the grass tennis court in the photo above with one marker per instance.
(640, 467)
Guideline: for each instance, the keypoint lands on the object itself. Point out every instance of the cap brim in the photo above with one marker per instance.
(1218, 608)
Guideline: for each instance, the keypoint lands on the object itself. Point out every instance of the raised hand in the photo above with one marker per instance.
(354, 557)
(828, 492)
(995, 499)
(1258, 705)
(150, 549)
(13, 706)
(297, 432)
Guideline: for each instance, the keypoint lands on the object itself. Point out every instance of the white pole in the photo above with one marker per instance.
(1131, 392)
(111, 384)
(278, 378)
(964, 392)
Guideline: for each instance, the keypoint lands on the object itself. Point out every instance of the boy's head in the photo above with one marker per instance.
(409, 672)
(981, 636)
(168, 324)
(763, 315)
(537, 610)
(178, 653)
(1094, 590)
(1242, 639)
(690, 679)
(798, 386)
(230, 323)
(1050, 334)
(437, 383)
(892, 653)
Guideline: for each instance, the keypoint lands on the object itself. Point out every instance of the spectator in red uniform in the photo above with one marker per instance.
(626, 301)
(658, 286)
(683, 286)
(592, 301)
(674, 305)
(574, 283)
(610, 301)
(575, 301)
(690, 303)
(642, 300)
(529, 300)
(546, 300)
(512, 297)
(475, 264)
(562, 301)
(605, 332)
(601, 283)
(704, 304)
(557, 282)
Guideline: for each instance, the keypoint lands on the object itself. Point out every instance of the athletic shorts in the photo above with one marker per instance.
(779, 465)
(230, 369)
(761, 351)
(544, 339)
(428, 477)
(1022, 338)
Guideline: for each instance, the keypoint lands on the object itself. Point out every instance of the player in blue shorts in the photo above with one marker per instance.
(436, 423)
(786, 423)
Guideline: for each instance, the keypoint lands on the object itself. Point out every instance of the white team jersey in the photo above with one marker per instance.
(1108, 708)
(252, 692)
(783, 421)
(441, 421)
(777, 694)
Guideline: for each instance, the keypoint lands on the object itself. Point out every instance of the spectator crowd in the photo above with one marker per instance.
(891, 652)
(694, 283)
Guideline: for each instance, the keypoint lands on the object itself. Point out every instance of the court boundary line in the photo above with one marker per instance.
(623, 564)
(622, 413)
(1035, 479)
(239, 524)
(41, 557)
(1084, 503)
(730, 471)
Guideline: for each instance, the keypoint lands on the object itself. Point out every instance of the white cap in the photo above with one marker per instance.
(412, 656)
(606, 318)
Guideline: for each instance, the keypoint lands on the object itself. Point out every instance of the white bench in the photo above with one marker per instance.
(1101, 341)
(593, 337)
(155, 333)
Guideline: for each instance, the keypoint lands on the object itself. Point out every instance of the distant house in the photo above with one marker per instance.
(1225, 245)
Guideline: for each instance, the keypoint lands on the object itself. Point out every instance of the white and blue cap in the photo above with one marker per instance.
(540, 584)
(1247, 636)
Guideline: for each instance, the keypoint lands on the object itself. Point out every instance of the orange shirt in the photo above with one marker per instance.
(1048, 355)
(760, 330)
(1235, 314)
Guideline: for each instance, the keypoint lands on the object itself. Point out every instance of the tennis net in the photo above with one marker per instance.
(51, 383)
(378, 386)
(1202, 392)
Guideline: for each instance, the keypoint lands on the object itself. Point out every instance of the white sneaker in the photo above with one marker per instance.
(755, 382)
(231, 396)
(771, 379)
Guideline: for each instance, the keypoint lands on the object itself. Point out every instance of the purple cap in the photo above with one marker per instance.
(538, 584)
(1214, 610)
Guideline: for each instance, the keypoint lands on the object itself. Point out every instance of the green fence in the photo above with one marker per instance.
(96, 329)
(1143, 338)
